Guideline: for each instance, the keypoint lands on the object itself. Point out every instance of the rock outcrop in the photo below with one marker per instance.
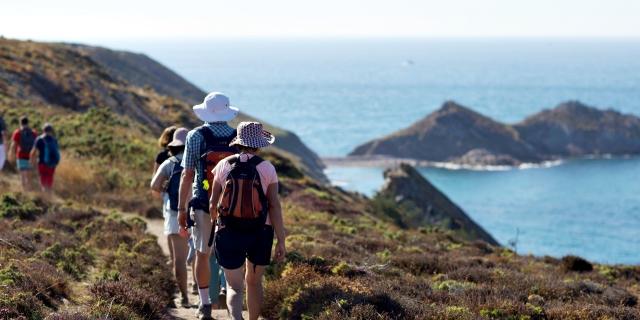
(459, 135)
(424, 205)
(574, 129)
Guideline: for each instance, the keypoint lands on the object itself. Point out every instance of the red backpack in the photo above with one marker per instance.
(243, 204)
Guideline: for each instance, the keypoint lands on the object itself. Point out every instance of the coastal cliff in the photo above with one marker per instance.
(424, 205)
(78, 77)
(457, 134)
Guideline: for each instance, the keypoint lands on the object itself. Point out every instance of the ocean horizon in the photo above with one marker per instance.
(337, 94)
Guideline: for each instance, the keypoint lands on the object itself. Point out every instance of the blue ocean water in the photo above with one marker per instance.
(337, 94)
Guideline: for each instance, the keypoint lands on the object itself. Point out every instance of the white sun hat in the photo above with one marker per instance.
(215, 107)
(251, 134)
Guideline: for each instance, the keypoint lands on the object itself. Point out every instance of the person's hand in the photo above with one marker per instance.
(182, 217)
(281, 251)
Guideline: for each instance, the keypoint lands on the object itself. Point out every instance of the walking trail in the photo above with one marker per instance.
(156, 227)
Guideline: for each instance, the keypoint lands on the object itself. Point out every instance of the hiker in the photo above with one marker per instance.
(46, 154)
(3, 142)
(22, 141)
(165, 138)
(245, 205)
(206, 145)
(167, 181)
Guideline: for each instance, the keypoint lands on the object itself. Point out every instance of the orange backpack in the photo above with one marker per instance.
(243, 204)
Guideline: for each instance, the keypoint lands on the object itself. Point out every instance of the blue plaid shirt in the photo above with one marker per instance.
(193, 150)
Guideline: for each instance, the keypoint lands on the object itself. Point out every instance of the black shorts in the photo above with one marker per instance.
(232, 247)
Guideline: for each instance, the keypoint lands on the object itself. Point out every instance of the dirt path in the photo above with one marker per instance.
(156, 227)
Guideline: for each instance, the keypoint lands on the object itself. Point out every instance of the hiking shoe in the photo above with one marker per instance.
(194, 288)
(222, 301)
(184, 302)
(204, 312)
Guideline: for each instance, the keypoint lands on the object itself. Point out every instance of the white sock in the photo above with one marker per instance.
(204, 296)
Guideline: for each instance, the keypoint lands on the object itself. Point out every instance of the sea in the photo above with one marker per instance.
(338, 93)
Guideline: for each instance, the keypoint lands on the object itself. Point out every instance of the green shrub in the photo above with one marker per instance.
(15, 206)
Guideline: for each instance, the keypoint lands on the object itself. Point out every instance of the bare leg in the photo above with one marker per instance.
(255, 294)
(179, 246)
(193, 272)
(202, 272)
(25, 178)
(235, 290)
(214, 281)
(170, 245)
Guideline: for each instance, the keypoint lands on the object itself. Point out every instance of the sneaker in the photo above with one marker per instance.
(204, 312)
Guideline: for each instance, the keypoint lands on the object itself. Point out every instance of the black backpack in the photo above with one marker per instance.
(173, 186)
(27, 140)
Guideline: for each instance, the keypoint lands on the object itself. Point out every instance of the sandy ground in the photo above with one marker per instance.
(155, 227)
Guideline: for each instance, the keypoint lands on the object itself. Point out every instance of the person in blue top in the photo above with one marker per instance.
(47, 155)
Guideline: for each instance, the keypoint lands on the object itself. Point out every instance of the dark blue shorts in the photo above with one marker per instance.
(232, 247)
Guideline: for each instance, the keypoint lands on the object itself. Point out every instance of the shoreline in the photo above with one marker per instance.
(388, 162)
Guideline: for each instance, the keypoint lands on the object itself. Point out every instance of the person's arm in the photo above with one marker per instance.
(5, 141)
(186, 181)
(213, 201)
(158, 180)
(12, 149)
(189, 160)
(11, 153)
(33, 155)
(275, 215)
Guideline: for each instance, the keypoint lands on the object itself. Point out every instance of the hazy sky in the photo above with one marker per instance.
(119, 19)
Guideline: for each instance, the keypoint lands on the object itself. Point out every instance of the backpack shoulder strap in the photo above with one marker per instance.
(255, 161)
(234, 159)
(206, 133)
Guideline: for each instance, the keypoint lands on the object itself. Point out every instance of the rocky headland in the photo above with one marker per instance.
(458, 135)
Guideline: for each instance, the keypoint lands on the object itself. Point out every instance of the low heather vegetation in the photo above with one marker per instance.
(346, 265)
(66, 262)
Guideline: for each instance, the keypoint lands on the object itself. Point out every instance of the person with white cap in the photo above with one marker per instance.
(246, 207)
(166, 180)
(205, 146)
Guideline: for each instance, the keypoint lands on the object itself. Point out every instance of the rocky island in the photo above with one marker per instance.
(457, 134)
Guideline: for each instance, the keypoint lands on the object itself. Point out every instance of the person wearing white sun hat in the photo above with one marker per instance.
(246, 207)
(205, 146)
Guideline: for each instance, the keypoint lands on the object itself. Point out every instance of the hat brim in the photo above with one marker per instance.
(176, 143)
(266, 140)
(205, 115)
